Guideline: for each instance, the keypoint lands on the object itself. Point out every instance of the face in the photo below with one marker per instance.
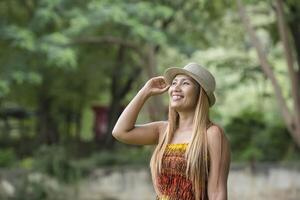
(183, 93)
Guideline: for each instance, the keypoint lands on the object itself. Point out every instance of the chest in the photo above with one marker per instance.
(181, 136)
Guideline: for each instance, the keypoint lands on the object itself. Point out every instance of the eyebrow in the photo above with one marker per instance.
(175, 79)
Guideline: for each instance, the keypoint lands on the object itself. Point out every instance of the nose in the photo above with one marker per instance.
(176, 87)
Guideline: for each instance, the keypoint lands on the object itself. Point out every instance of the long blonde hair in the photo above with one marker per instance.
(197, 150)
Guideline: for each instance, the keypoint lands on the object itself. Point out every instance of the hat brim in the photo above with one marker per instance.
(171, 72)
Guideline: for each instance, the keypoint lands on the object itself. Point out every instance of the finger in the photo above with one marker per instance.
(159, 90)
(166, 85)
(161, 78)
(162, 84)
(165, 88)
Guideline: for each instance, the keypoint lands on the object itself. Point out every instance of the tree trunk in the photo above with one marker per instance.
(68, 123)
(293, 72)
(78, 120)
(119, 89)
(113, 115)
(290, 117)
(294, 25)
(46, 126)
(156, 107)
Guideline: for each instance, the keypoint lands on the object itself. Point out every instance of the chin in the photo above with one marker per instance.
(180, 107)
(177, 107)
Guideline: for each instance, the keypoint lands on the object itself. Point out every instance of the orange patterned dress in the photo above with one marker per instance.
(172, 182)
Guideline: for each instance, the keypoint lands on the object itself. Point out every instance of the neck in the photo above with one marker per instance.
(186, 120)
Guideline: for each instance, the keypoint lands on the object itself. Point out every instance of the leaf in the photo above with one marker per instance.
(78, 22)
(18, 77)
(4, 88)
(61, 57)
(20, 37)
(57, 54)
(21, 77)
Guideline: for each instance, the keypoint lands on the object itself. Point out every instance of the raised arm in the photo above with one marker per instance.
(219, 152)
(125, 129)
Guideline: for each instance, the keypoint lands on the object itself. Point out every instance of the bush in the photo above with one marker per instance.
(242, 131)
(253, 138)
(37, 186)
(54, 161)
(120, 156)
(7, 157)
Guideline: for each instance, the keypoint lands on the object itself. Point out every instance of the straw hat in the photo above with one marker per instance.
(197, 72)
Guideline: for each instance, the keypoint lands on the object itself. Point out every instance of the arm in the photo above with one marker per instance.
(219, 152)
(125, 129)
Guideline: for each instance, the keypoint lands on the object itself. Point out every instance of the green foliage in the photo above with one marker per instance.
(20, 37)
(56, 54)
(57, 162)
(26, 163)
(123, 156)
(7, 157)
(54, 161)
(253, 138)
(36, 186)
(52, 60)
(242, 132)
(119, 157)
(140, 20)
(21, 77)
(4, 88)
(46, 14)
(277, 144)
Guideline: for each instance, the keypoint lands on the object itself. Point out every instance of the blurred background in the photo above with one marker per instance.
(69, 67)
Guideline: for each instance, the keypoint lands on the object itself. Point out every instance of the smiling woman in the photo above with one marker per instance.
(183, 92)
(192, 155)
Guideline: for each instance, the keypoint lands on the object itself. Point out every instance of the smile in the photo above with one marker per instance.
(176, 97)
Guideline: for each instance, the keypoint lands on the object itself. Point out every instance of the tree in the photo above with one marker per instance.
(291, 117)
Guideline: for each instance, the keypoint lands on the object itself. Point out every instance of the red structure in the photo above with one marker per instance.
(100, 121)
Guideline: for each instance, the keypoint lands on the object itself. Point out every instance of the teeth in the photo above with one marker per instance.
(176, 97)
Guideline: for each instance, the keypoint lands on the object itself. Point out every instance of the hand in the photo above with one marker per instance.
(156, 85)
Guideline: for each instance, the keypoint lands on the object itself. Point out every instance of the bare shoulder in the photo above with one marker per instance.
(215, 130)
(219, 146)
(216, 135)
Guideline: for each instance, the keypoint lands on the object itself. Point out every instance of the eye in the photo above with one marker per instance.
(186, 83)
(173, 83)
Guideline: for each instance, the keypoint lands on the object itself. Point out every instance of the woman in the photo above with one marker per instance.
(192, 155)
